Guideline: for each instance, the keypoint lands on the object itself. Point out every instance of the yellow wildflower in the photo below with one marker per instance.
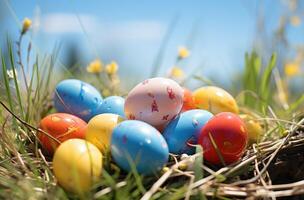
(295, 20)
(112, 68)
(183, 52)
(176, 72)
(26, 25)
(95, 67)
(292, 69)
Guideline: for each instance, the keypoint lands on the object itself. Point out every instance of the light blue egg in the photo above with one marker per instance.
(78, 98)
(141, 144)
(185, 130)
(114, 105)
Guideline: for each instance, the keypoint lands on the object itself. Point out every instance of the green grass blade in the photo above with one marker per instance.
(264, 91)
(296, 104)
(204, 80)
(6, 82)
(250, 77)
(15, 77)
(218, 152)
(198, 172)
(247, 80)
(29, 94)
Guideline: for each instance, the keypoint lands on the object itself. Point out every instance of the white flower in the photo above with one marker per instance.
(10, 73)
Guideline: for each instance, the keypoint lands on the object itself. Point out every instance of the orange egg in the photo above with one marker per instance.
(188, 100)
(61, 126)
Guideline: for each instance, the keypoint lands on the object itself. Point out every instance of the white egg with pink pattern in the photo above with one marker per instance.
(155, 101)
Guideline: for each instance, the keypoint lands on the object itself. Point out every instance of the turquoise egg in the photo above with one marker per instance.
(114, 105)
(184, 130)
(78, 98)
(137, 143)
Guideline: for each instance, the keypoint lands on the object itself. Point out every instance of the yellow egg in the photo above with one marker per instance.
(99, 130)
(215, 100)
(254, 129)
(77, 164)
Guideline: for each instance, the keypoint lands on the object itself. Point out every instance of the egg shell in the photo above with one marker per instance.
(184, 130)
(114, 105)
(100, 128)
(77, 165)
(188, 100)
(155, 101)
(136, 142)
(78, 98)
(253, 127)
(229, 134)
(215, 100)
(62, 126)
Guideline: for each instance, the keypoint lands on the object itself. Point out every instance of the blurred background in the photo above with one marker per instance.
(143, 37)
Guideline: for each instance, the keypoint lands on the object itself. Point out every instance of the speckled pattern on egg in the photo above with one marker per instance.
(77, 165)
(215, 100)
(229, 133)
(114, 105)
(61, 126)
(138, 142)
(78, 98)
(155, 101)
(184, 130)
(100, 128)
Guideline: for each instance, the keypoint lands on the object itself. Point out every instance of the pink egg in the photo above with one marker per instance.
(155, 101)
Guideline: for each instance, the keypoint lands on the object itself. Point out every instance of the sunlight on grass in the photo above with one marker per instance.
(263, 94)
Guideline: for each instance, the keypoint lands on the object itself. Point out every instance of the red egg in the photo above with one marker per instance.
(188, 100)
(229, 134)
(61, 126)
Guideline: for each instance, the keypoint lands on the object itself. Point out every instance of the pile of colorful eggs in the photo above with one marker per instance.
(158, 116)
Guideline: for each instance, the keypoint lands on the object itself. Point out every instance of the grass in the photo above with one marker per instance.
(26, 173)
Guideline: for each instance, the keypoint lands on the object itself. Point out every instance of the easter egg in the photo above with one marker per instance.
(99, 130)
(61, 126)
(77, 164)
(155, 101)
(228, 133)
(138, 143)
(78, 98)
(215, 100)
(254, 128)
(188, 100)
(184, 130)
(114, 105)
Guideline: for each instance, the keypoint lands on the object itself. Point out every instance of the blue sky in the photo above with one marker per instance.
(131, 32)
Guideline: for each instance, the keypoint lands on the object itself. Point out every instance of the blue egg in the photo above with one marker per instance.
(114, 105)
(185, 130)
(78, 98)
(136, 142)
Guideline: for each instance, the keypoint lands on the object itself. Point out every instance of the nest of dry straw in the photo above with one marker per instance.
(269, 169)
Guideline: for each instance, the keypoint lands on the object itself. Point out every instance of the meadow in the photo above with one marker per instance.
(271, 167)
